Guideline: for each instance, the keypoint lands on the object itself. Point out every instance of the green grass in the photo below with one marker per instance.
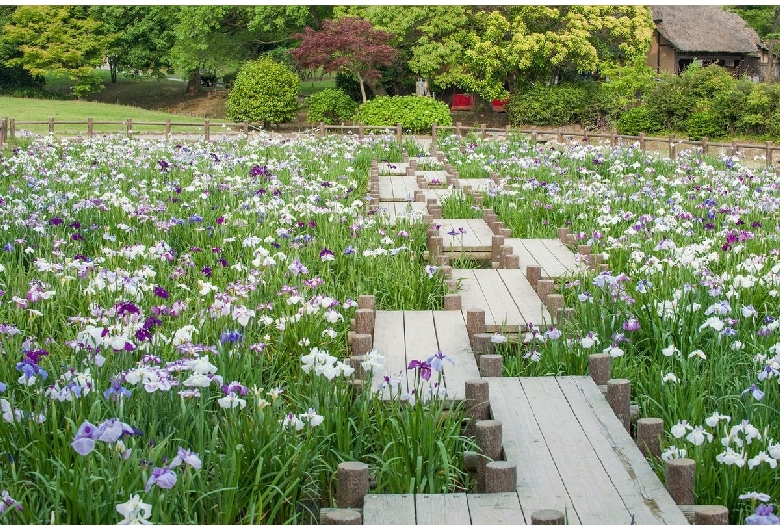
(311, 86)
(25, 110)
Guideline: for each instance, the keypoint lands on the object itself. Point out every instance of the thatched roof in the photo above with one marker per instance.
(708, 29)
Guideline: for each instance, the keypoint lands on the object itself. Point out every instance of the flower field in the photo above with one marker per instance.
(174, 319)
(688, 307)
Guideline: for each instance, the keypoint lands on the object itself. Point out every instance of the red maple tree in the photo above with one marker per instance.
(349, 45)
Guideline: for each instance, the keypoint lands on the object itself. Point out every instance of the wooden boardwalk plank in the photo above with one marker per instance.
(562, 253)
(638, 477)
(471, 241)
(525, 256)
(453, 341)
(471, 296)
(388, 509)
(449, 509)
(506, 315)
(420, 340)
(430, 175)
(593, 496)
(539, 484)
(550, 261)
(440, 193)
(524, 296)
(389, 342)
(392, 211)
(495, 508)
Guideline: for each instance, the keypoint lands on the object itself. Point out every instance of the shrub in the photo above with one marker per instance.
(330, 106)
(556, 105)
(264, 91)
(638, 120)
(414, 113)
(705, 123)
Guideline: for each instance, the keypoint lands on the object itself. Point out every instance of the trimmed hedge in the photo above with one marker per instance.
(264, 91)
(638, 120)
(330, 106)
(414, 113)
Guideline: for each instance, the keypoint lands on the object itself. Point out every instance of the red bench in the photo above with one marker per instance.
(462, 102)
(499, 105)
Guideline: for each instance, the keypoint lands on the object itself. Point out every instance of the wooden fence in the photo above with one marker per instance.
(671, 144)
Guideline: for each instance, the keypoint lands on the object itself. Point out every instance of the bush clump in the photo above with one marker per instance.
(704, 124)
(576, 102)
(331, 106)
(414, 113)
(638, 120)
(264, 91)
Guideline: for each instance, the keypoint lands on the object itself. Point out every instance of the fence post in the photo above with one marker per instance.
(246, 127)
(482, 127)
(399, 134)
(534, 136)
(672, 149)
(128, 126)
(360, 131)
(89, 127)
(508, 130)
(457, 129)
(12, 128)
(768, 154)
(3, 130)
(322, 129)
(642, 142)
(704, 146)
(733, 147)
(560, 135)
(51, 125)
(585, 137)
(206, 130)
(167, 128)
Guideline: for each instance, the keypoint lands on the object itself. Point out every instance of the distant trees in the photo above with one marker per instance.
(59, 39)
(349, 45)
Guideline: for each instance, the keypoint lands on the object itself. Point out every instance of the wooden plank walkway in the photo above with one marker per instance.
(573, 454)
(403, 336)
(390, 212)
(397, 188)
(478, 236)
(552, 255)
(452, 509)
(509, 301)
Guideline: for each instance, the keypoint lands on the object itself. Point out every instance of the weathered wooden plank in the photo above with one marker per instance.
(506, 315)
(481, 231)
(403, 187)
(388, 509)
(539, 484)
(442, 509)
(524, 296)
(441, 176)
(495, 508)
(525, 256)
(471, 296)
(454, 342)
(440, 193)
(420, 338)
(644, 480)
(392, 211)
(553, 267)
(592, 494)
(389, 342)
(562, 253)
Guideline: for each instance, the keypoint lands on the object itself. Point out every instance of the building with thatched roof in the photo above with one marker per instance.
(706, 34)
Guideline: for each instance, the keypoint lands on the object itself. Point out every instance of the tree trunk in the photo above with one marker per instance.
(362, 87)
(112, 67)
(193, 86)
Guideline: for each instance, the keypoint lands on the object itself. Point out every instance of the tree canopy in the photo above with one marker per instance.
(348, 44)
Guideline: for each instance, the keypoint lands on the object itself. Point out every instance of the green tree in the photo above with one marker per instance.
(765, 20)
(142, 38)
(63, 40)
(264, 91)
(221, 38)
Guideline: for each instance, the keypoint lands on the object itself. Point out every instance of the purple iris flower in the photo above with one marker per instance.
(230, 336)
(436, 362)
(116, 391)
(763, 515)
(84, 441)
(163, 477)
(159, 291)
(424, 366)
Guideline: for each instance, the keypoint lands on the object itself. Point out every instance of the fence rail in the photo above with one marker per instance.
(670, 144)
